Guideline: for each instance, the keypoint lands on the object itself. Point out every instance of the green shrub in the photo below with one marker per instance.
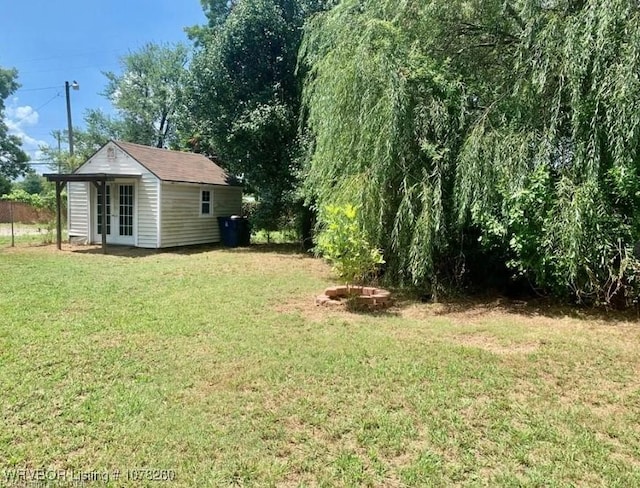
(344, 244)
(46, 201)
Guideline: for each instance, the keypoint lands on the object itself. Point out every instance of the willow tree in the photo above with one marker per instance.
(506, 130)
(550, 171)
(385, 119)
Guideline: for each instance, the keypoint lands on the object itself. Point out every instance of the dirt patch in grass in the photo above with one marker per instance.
(306, 307)
(40, 248)
(491, 344)
(472, 310)
(471, 313)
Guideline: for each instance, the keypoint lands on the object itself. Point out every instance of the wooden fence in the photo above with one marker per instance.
(24, 213)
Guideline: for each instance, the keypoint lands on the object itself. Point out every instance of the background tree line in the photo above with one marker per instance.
(485, 143)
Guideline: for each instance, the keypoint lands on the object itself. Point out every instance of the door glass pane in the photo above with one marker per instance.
(99, 210)
(126, 210)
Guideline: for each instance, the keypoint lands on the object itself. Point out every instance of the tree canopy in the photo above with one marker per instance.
(13, 160)
(146, 95)
(483, 132)
(244, 97)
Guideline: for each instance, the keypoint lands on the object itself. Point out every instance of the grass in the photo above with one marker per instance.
(28, 233)
(215, 364)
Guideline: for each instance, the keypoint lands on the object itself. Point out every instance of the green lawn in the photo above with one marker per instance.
(216, 365)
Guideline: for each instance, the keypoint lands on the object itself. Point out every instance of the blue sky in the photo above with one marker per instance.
(52, 42)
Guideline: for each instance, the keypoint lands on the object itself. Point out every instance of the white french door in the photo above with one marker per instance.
(119, 223)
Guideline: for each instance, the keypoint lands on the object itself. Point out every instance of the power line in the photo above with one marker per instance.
(16, 122)
(77, 68)
(71, 55)
(37, 89)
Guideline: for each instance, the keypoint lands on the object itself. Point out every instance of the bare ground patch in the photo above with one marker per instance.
(493, 345)
(474, 310)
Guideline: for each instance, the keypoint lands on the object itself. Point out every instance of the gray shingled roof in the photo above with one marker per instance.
(176, 165)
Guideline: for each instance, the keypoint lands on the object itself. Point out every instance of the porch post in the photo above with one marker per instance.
(58, 215)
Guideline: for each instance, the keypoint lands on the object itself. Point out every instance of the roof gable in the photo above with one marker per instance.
(176, 166)
(101, 162)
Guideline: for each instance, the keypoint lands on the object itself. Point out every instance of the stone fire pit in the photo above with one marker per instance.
(363, 296)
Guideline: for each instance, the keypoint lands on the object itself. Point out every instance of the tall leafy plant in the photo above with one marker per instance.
(344, 244)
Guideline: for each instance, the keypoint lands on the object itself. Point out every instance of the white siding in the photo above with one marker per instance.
(78, 211)
(147, 190)
(147, 206)
(227, 201)
(181, 222)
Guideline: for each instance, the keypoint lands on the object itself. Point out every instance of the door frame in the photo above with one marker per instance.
(113, 238)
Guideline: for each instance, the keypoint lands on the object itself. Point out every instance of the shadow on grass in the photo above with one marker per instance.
(393, 311)
(530, 308)
(280, 248)
(472, 305)
(138, 252)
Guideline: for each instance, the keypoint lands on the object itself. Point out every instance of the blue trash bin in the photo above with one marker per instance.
(228, 231)
(243, 230)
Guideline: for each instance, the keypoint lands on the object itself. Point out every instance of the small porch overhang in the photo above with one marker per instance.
(98, 179)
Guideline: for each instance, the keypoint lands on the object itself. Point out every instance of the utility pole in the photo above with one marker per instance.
(75, 86)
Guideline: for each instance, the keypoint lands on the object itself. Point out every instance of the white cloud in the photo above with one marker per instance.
(27, 140)
(18, 119)
(38, 154)
(22, 115)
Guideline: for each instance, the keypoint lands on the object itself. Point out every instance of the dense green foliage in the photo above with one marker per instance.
(13, 160)
(483, 133)
(146, 94)
(5, 185)
(243, 99)
(383, 117)
(44, 201)
(33, 183)
(344, 244)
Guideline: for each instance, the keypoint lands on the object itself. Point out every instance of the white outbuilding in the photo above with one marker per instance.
(155, 198)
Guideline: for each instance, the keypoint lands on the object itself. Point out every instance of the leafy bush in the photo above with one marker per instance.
(565, 239)
(46, 201)
(5, 186)
(343, 243)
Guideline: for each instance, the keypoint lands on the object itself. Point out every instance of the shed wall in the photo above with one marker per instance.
(181, 223)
